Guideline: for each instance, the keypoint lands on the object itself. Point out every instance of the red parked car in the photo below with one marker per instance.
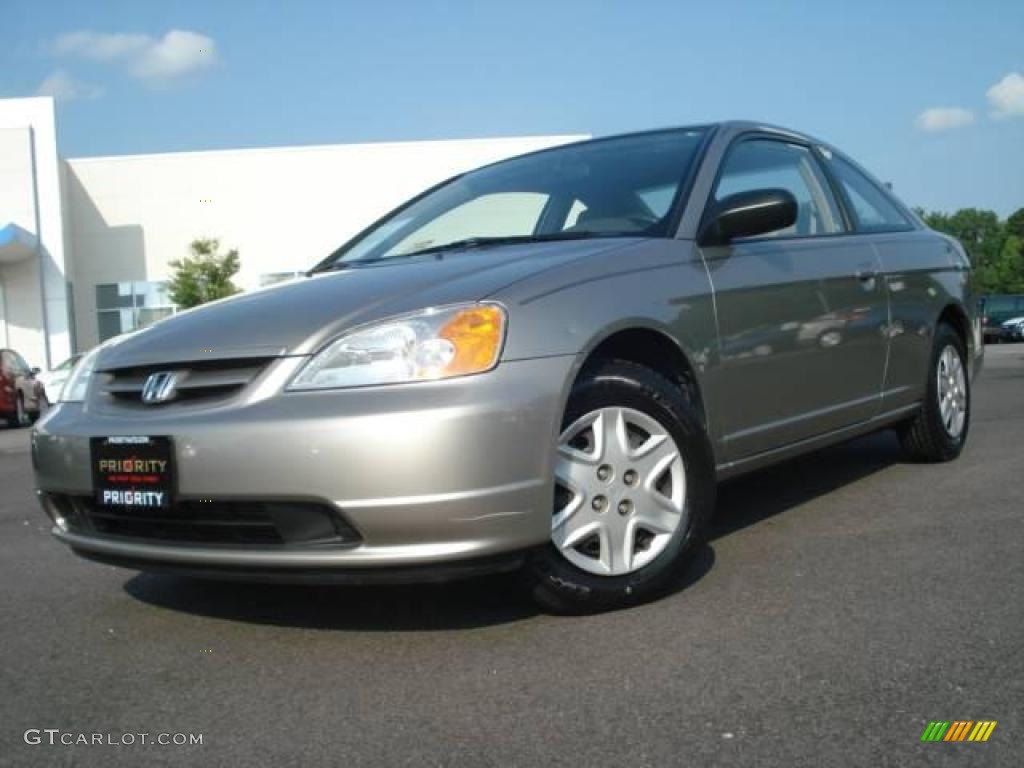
(22, 398)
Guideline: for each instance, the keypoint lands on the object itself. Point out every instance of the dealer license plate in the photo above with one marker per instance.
(133, 472)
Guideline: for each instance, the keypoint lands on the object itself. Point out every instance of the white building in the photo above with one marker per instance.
(85, 244)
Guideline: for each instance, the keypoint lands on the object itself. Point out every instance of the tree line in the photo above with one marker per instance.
(996, 246)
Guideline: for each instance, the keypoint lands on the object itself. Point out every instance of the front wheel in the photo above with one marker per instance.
(939, 430)
(634, 489)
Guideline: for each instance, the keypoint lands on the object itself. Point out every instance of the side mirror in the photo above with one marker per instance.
(746, 214)
(36, 371)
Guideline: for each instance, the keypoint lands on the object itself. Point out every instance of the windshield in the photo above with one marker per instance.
(68, 364)
(612, 187)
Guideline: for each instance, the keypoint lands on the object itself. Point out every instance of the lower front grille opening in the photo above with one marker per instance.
(274, 524)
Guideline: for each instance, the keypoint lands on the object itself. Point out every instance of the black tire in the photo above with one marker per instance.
(560, 586)
(44, 404)
(21, 416)
(924, 438)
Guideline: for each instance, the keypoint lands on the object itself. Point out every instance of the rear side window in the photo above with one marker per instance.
(769, 164)
(872, 208)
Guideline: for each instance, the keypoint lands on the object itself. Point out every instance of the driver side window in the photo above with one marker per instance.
(769, 164)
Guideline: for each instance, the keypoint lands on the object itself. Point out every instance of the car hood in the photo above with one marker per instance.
(298, 317)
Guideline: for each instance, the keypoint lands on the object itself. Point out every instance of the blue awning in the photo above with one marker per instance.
(16, 244)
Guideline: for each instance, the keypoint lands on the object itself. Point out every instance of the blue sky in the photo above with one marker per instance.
(154, 77)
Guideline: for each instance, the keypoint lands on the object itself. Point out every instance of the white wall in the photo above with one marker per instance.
(284, 209)
(21, 318)
(35, 295)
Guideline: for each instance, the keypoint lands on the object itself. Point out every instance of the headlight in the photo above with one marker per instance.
(77, 382)
(432, 344)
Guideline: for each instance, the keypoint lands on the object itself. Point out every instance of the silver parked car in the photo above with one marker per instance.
(53, 379)
(546, 363)
(1012, 330)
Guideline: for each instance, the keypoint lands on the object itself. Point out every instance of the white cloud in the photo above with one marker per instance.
(179, 52)
(1007, 96)
(62, 87)
(101, 45)
(944, 118)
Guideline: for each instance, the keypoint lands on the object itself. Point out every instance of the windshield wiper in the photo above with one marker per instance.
(468, 242)
(482, 242)
(477, 242)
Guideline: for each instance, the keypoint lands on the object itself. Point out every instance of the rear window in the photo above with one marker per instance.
(1000, 308)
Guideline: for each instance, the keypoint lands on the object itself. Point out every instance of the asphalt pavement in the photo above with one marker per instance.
(846, 599)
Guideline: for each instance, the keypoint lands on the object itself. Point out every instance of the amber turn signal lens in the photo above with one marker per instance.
(476, 333)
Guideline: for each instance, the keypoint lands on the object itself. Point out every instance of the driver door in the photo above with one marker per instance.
(801, 311)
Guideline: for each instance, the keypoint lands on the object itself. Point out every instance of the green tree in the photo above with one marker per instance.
(1007, 271)
(205, 275)
(980, 232)
(1015, 224)
(983, 236)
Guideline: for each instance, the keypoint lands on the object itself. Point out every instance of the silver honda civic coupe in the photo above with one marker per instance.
(545, 364)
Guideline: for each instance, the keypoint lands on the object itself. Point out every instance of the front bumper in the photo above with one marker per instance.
(426, 474)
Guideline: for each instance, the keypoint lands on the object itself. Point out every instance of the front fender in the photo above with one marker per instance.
(658, 285)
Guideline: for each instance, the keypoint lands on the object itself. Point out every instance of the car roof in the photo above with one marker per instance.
(746, 126)
(721, 126)
(728, 128)
(725, 128)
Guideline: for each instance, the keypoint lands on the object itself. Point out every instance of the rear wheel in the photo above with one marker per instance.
(939, 430)
(634, 488)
